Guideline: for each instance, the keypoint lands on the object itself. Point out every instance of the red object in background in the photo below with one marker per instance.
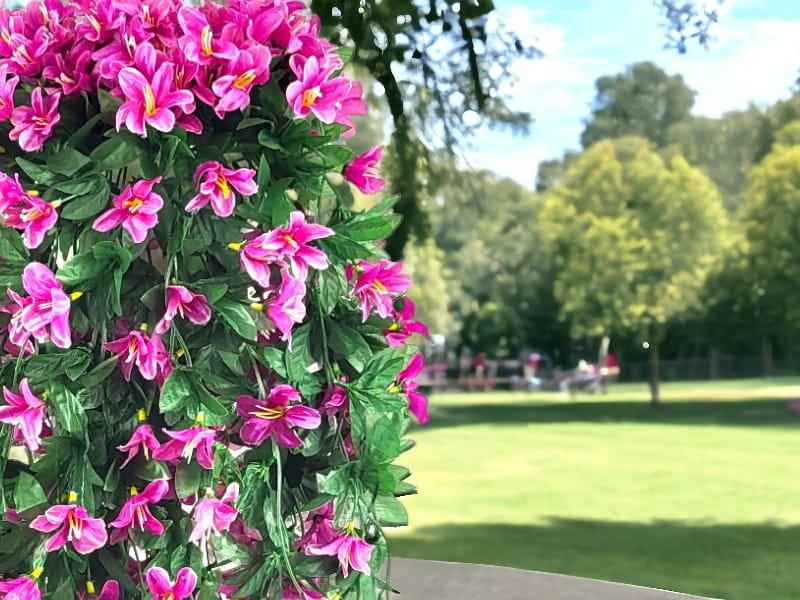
(533, 360)
(611, 361)
(479, 361)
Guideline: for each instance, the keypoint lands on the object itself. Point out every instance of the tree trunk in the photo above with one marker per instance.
(655, 375)
(713, 364)
(767, 367)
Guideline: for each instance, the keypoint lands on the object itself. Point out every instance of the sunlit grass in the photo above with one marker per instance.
(701, 495)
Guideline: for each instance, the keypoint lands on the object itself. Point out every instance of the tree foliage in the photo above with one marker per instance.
(633, 239)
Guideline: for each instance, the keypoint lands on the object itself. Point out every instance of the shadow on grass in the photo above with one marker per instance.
(706, 412)
(735, 562)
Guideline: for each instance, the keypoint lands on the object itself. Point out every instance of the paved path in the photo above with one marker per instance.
(432, 580)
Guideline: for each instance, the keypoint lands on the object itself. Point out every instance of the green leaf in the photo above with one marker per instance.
(176, 395)
(86, 184)
(390, 511)
(75, 364)
(212, 290)
(64, 591)
(187, 478)
(115, 153)
(238, 317)
(264, 174)
(349, 343)
(104, 259)
(28, 493)
(250, 122)
(382, 369)
(89, 204)
(331, 288)
(99, 373)
(369, 230)
(68, 409)
(67, 161)
(39, 174)
(12, 250)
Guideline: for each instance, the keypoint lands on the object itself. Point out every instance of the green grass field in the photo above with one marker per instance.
(700, 496)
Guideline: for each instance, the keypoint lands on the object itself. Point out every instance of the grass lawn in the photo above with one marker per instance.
(699, 496)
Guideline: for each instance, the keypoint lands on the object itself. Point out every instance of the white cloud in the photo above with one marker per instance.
(749, 61)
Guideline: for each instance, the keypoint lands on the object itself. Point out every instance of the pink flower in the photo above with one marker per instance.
(162, 588)
(20, 588)
(288, 307)
(318, 529)
(110, 591)
(184, 302)
(185, 442)
(274, 416)
(33, 125)
(313, 92)
(250, 68)
(47, 306)
(351, 550)
(212, 516)
(151, 101)
(135, 514)
(363, 171)
(198, 42)
(215, 184)
(350, 104)
(147, 353)
(404, 326)
(291, 243)
(33, 216)
(26, 414)
(74, 525)
(376, 284)
(7, 87)
(334, 400)
(142, 439)
(407, 380)
(11, 192)
(136, 209)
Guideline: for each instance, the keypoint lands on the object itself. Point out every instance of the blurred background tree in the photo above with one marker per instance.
(633, 239)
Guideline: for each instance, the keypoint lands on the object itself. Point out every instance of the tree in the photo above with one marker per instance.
(643, 101)
(501, 273)
(724, 148)
(431, 292)
(455, 57)
(633, 239)
(771, 221)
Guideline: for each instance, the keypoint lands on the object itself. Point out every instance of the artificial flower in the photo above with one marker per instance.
(363, 172)
(376, 285)
(159, 584)
(186, 442)
(136, 209)
(215, 184)
(135, 513)
(274, 416)
(72, 525)
(183, 302)
(407, 382)
(212, 516)
(34, 124)
(349, 548)
(25, 413)
(404, 326)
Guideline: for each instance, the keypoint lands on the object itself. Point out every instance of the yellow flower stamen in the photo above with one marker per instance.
(235, 246)
(75, 295)
(206, 36)
(56, 203)
(141, 415)
(149, 101)
(394, 389)
(144, 327)
(179, 352)
(37, 572)
(90, 587)
(134, 491)
(72, 497)
(270, 413)
(246, 78)
(33, 192)
(200, 418)
(310, 97)
(257, 306)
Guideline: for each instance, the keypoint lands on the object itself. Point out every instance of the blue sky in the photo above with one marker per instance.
(755, 57)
